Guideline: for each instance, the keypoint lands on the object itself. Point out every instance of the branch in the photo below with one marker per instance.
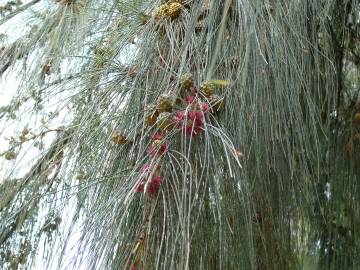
(18, 10)
(62, 140)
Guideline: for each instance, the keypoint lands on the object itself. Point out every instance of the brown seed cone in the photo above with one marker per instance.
(10, 155)
(165, 122)
(161, 12)
(187, 81)
(25, 131)
(164, 104)
(174, 10)
(199, 27)
(46, 69)
(207, 89)
(118, 138)
(151, 115)
(22, 138)
(168, 10)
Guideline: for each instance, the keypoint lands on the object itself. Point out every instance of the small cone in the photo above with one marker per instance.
(174, 10)
(187, 81)
(170, 10)
(161, 12)
(207, 89)
(10, 155)
(151, 115)
(164, 104)
(118, 138)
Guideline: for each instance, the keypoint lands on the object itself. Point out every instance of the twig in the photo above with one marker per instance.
(18, 10)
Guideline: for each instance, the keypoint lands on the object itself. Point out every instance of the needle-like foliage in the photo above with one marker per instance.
(181, 134)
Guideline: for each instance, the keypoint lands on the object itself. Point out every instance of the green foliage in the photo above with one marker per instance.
(189, 135)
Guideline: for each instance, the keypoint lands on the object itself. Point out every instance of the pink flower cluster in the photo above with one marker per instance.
(153, 185)
(157, 147)
(192, 121)
(151, 181)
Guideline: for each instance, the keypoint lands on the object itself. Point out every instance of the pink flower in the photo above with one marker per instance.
(152, 186)
(193, 131)
(179, 119)
(155, 184)
(145, 168)
(155, 150)
(195, 116)
(157, 147)
(180, 116)
(204, 107)
(193, 90)
(190, 99)
(195, 125)
(163, 148)
(192, 125)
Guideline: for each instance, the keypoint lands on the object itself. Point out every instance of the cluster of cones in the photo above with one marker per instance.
(186, 111)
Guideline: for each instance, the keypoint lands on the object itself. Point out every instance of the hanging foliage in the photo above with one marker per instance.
(180, 134)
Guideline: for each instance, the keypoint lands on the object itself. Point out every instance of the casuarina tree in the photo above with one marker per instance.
(180, 134)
